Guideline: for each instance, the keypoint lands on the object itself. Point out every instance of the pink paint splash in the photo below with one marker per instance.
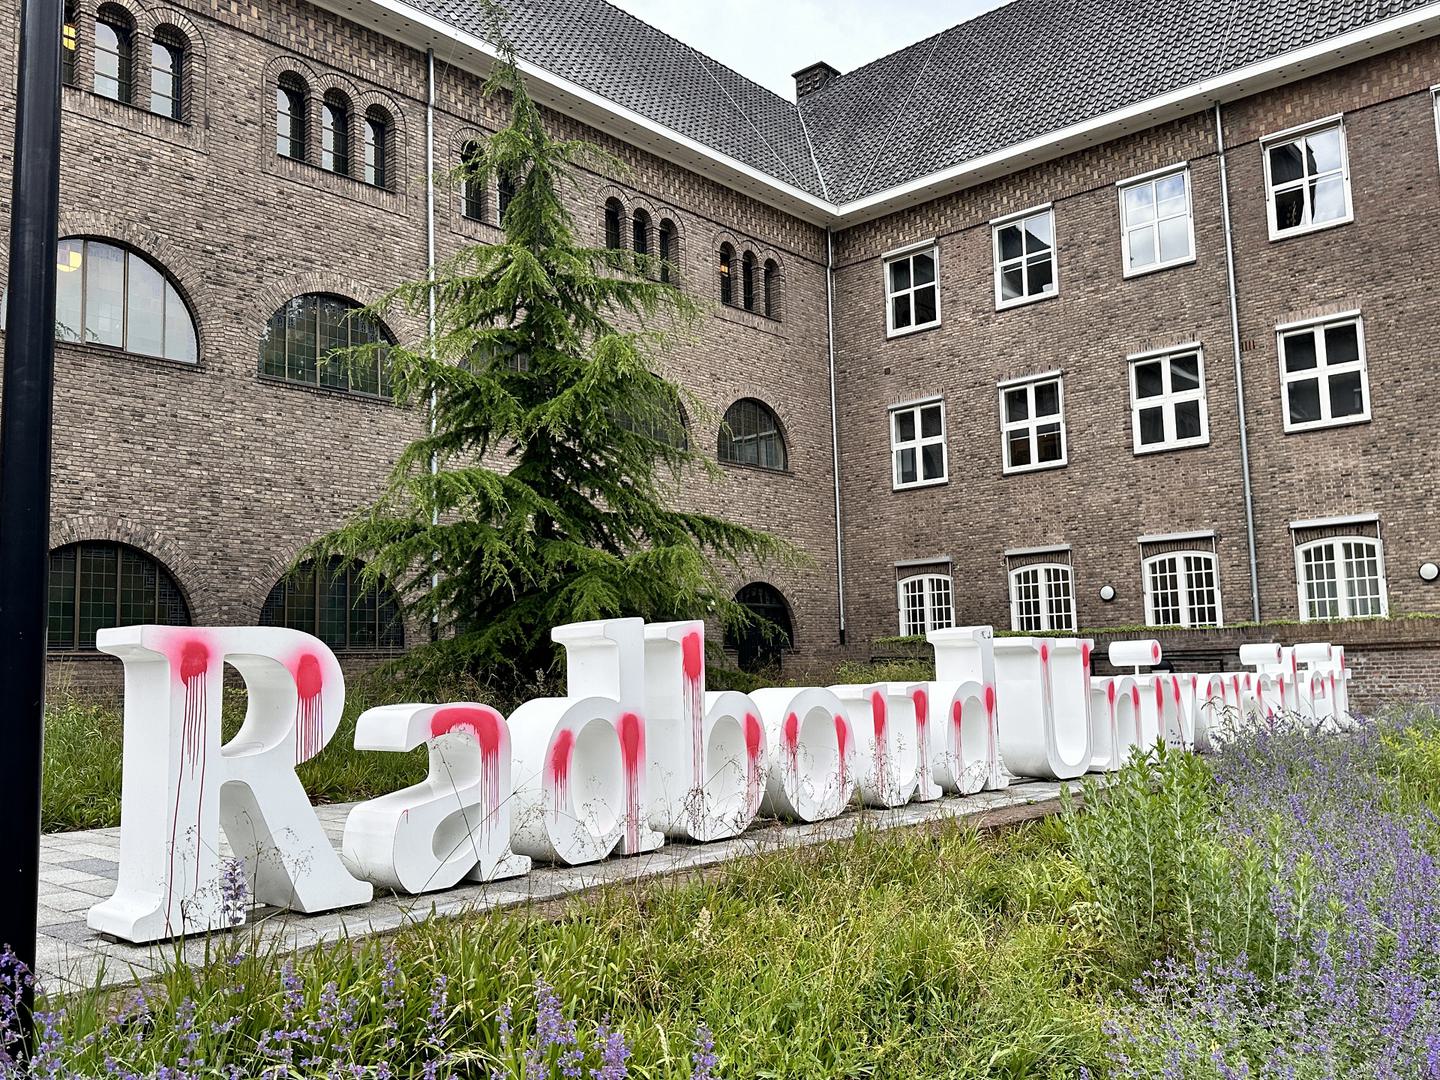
(1135, 698)
(790, 734)
(1155, 652)
(1085, 675)
(693, 669)
(561, 751)
(1175, 686)
(754, 737)
(632, 757)
(922, 733)
(880, 721)
(309, 709)
(957, 735)
(992, 734)
(193, 666)
(842, 745)
(486, 726)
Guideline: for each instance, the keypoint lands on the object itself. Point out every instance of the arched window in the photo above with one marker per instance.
(640, 232)
(925, 604)
(377, 146)
(666, 243)
(759, 646)
(472, 182)
(301, 339)
(751, 435)
(614, 213)
(69, 42)
(330, 602)
(96, 583)
(1042, 598)
(504, 192)
(167, 73)
(1182, 589)
(335, 133)
(727, 276)
(747, 280)
(290, 94)
(114, 54)
(1341, 577)
(108, 295)
(772, 289)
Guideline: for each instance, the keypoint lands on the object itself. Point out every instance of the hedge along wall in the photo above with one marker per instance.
(1395, 660)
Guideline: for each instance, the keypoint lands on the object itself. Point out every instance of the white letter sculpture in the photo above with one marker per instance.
(1114, 721)
(455, 824)
(707, 751)
(964, 728)
(812, 753)
(1044, 715)
(180, 786)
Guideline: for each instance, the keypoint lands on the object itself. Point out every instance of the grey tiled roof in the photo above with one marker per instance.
(1021, 71)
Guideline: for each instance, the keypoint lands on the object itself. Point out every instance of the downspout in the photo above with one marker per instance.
(430, 276)
(1239, 373)
(834, 426)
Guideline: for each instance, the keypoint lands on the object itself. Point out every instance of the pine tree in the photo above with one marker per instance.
(542, 494)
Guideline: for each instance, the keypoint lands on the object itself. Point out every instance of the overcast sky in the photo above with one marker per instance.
(767, 40)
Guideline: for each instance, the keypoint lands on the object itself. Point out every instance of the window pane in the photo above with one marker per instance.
(930, 421)
(1164, 593)
(1304, 401)
(1285, 163)
(1139, 205)
(1170, 193)
(1328, 200)
(924, 305)
(104, 294)
(902, 311)
(1187, 420)
(1010, 243)
(61, 633)
(1152, 426)
(145, 328)
(907, 473)
(1012, 283)
(1018, 443)
(1346, 397)
(1150, 379)
(98, 581)
(1142, 246)
(300, 356)
(334, 609)
(1017, 404)
(924, 268)
(1323, 151)
(899, 275)
(362, 617)
(1299, 351)
(1038, 233)
(905, 426)
(69, 281)
(180, 341)
(138, 585)
(1342, 344)
(1184, 373)
(1174, 238)
(332, 334)
(933, 459)
(1047, 399)
(1042, 275)
(1047, 443)
(1290, 209)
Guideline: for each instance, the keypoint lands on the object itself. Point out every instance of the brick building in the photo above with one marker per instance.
(1067, 317)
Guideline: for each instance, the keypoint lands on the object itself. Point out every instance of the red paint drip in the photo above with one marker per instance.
(1155, 651)
(791, 735)
(1110, 692)
(693, 668)
(882, 749)
(957, 734)
(1044, 654)
(1175, 685)
(842, 744)
(309, 710)
(194, 732)
(990, 701)
(922, 708)
(1135, 698)
(486, 725)
(561, 751)
(632, 754)
(922, 737)
(754, 736)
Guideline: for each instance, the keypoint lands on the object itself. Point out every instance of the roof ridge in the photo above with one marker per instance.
(882, 144)
(779, 157)
(814, 158)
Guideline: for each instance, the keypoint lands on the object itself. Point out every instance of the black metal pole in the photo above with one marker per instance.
(25, 408)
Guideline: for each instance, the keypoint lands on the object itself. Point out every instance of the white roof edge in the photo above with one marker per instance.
(1043, 549)
(1332, 522)
(1320, 56)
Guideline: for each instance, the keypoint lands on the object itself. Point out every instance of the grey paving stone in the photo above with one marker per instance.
(109, 868)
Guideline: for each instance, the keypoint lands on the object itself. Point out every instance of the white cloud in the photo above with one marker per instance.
(767, 40)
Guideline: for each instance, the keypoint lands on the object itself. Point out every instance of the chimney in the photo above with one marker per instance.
(812, 78)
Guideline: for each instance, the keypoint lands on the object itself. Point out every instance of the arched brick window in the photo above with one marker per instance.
(747, 280)
(98, 583)
(772, 289)
(115, 54)
(750, 435)
(290, 104)
(640, 232)
(335, 133)
(69, 42)
(727, 274)
(760, 644)
(331, 602)
(302, 338)
(666, 242)
(376, 133)
(614, 214)
(167, 73)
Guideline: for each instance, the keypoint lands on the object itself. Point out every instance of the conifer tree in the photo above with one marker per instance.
(543, 492)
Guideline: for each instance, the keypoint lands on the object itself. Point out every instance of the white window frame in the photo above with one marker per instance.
(929, 584)
(1269, 142)
(996, 224)
(1029, 383)
(1342, 583)
(1168, 400)
(1150, 179)
(1323, 370)
(1183, 590)
(1435, 101)
(917, 444)
(1047, 614)
(930, 247)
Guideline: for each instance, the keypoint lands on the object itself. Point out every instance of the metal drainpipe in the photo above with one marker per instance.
(834, 426)
(430, 274)
(1239, 374)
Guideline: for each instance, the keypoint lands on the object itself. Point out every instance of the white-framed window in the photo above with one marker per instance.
(917, 444)
(1322, 373)
(1157, 227)
(1341, 577)
(1182, 588)
(912, 289)
(1042, 598)
(1167, 400)
(1435, 93)
(1025, 268)
(925, 604)
(1032, 423)
(1307, 179)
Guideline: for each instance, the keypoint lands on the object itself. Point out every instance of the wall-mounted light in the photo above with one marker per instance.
(1107, 593)
(1429, 571)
